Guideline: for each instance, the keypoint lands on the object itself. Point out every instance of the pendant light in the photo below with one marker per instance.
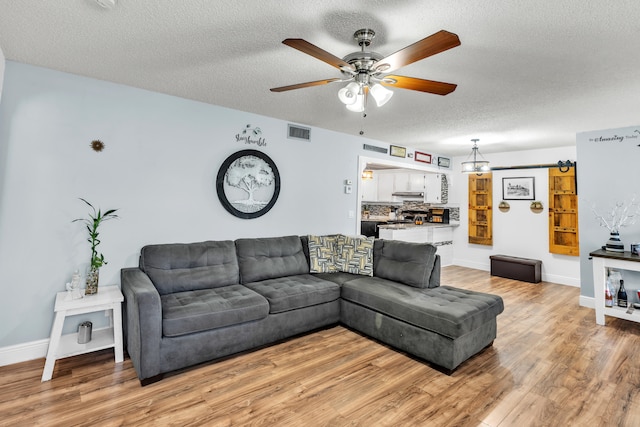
(475, 166)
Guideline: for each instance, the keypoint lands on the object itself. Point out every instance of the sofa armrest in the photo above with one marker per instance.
(434, 279)
(142, 321)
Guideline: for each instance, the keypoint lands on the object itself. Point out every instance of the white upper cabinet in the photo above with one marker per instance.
(385, 183)
(385, 187)
(416, 182)
(370, 189)
(435, 188)
(401, 181)
(405, 181)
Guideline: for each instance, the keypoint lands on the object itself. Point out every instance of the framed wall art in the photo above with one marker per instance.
(422, 157)
(398, 151)
(521, 188)
(444, 162)
(248, 184)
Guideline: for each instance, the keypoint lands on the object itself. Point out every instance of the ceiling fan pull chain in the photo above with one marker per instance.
(364, 114)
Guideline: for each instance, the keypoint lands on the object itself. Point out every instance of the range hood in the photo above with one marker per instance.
(411, 194)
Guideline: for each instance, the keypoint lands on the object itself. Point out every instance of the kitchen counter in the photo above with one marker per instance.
(438, 234)
(380, 218)
(409, 225)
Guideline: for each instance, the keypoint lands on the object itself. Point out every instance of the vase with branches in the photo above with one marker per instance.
(622, 214)
(95, 218)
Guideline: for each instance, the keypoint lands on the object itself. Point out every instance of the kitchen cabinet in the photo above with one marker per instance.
(385, 183)
(385, 187)
(417, 182)
(401, 181)
(412, 182)
(370, 189)
(434, 191)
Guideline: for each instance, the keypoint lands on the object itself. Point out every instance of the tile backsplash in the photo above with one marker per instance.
(384, 210)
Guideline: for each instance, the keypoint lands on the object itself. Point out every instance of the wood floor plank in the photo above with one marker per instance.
(550, 365)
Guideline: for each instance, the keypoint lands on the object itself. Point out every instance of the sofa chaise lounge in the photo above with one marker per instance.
(190, 303)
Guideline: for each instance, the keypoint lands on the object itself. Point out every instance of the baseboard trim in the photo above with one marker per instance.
(589, 302)
(23, 352)
(551, 278)
(561, 280)
(471, 264)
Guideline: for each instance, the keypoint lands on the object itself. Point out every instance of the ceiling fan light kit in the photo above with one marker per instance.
(364, 69)
(349, 93)
(359, 105)
(381, 94)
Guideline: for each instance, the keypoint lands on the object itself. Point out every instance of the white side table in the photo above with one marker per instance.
(603, 260)
(60, 346)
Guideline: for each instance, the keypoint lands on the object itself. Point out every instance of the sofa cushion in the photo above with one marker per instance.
(322, 253)
(201, 310)
(293, 292)
(444, 310)
(406, 262)
(355, 255)
(270, 257)
(180, 267)
(339, 277)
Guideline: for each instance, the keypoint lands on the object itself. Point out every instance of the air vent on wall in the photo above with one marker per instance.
(299, 132)
(374, 148)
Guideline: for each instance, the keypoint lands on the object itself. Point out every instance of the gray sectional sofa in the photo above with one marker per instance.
(190, 303)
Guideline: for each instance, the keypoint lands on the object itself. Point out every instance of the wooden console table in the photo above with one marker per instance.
(602, 260)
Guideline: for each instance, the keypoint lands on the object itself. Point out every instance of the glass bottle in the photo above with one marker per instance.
(608, 294)
(622, 295)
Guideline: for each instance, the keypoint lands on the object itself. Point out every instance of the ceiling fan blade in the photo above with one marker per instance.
(435, 43)
(313, 50)
(302, 85)
(412, 83)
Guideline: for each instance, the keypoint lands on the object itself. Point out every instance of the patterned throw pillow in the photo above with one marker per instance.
(355, 255)
(322, 253)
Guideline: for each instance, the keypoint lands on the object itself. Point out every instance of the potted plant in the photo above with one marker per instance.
(97, 259)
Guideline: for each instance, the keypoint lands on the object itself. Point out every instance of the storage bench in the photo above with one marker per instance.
(511, 267)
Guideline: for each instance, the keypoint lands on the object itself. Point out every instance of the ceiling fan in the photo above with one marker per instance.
(366, 71)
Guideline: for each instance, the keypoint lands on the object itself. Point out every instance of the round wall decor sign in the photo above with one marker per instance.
(248, 184)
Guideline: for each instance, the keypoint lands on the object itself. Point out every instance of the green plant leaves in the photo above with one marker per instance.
(92, 223)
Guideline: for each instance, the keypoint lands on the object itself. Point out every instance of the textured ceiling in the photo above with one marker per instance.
(530, 73)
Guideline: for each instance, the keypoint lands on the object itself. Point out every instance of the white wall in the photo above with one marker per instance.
(2, 66)
(518, 232)
(161, 158)
(607, 163)
(158, 168)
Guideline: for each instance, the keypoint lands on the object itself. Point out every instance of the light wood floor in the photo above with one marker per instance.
(551, 365)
